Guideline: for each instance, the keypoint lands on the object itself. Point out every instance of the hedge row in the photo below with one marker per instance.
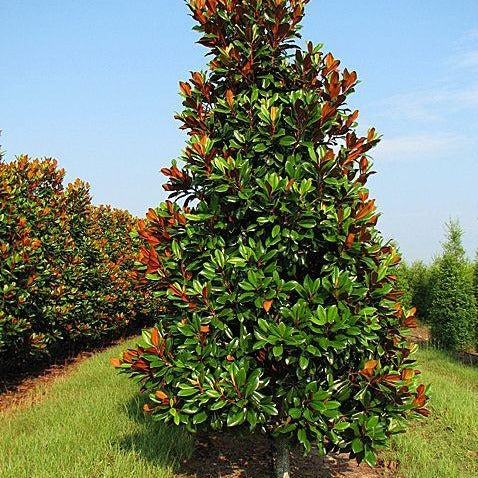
(445, 293)
(64, 264)
(414, 281)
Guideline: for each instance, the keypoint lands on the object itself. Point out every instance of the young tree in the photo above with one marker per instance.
(452, 310)
(280, 313)
(404, 284)
(414, 281)
(475, 289)
(420, 284)
(65, 265)
(475, 276)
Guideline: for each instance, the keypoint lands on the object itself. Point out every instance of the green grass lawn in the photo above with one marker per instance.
(91, 424)
(446, 444)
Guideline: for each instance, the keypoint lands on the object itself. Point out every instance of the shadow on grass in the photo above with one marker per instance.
(204, 456)
(162, 445)
(224, 455)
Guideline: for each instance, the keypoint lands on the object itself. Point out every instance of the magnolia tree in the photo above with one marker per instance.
(279, 309)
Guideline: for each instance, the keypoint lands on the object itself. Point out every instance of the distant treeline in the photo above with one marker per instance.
(445, 293)
(65, 264)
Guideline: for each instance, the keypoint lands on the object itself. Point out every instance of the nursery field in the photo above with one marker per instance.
(90, 423)
(267, 298)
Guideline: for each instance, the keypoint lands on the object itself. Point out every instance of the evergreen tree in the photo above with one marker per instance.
(452, 310)
(403, 283)
(475, 286)
(419, 280)
(280, 311)
(475, 276)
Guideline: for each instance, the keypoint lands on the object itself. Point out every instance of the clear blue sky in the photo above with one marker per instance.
(94, 84)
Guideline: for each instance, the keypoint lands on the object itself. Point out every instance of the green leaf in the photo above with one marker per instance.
(199, 418)
(277, 351)
(218, 405)
(370, 458)
(252, 418)
(357, 445)
(341, 426)
(308, 223)
(252, 384)
(372, 422)
(234, 419)
(303, 362)
(222, 188)
(260, 148)
(302, 436)
(287, 141)
(187, 392)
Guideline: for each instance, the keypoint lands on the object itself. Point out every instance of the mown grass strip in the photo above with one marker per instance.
(90, 424)
(446, 444)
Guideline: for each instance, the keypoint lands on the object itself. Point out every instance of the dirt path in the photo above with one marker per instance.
(22, 387)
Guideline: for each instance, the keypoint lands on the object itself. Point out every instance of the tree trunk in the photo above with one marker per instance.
(281, 458)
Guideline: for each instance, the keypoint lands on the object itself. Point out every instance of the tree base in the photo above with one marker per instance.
(281, 458)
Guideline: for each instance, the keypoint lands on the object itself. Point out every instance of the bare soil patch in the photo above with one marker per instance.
(25, 384)
(227, 456)
(422, 336)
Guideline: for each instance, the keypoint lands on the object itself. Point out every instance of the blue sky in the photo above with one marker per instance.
(95, 84)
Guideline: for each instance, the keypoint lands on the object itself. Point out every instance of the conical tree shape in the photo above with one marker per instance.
(452, 308)
(280, 314)
(475, 277)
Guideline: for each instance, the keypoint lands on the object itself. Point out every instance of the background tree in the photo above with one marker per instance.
(404, 284)
(65, 265)
(280, 313)
(414, 281)
(452, 308)
(475, 284)
(420, 284)
(475, 275)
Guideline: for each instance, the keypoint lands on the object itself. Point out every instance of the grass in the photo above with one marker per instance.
(446, 444)
(90, 425)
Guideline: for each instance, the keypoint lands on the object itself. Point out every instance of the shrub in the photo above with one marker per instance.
(414, 282)
(452, 310)
(404, 284)
(475, 276)
(280, 313)
(419, 278)
(66, 265)
(475, 286)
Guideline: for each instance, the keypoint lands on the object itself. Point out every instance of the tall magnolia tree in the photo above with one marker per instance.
(280, 314)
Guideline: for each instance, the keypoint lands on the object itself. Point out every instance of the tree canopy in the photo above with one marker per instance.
(280, 313)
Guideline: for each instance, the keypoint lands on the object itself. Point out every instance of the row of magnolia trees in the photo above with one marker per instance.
(65, 265)
(445, 293)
